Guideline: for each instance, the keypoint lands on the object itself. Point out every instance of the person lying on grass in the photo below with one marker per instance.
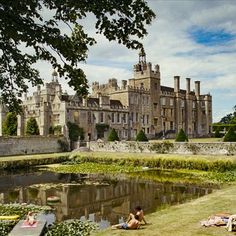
(132, 224)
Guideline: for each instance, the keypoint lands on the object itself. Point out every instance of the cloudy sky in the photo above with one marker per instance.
(189, 38)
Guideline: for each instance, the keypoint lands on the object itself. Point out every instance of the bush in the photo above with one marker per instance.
(141, 137)
(9, 125)
(75, 132)
(32, 127)
(72, 227)
(230, 136)
(57, 130)
(181, 136)
(113, 136)
(218, 134)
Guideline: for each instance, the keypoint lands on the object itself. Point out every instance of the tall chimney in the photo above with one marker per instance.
(176, 88)
(197, 88)
(188, 85)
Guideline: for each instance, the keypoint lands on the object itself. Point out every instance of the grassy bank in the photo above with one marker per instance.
(184, 219)
(162, 161)
(20, 162)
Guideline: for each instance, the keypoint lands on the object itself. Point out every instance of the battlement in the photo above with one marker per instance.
(142, 70)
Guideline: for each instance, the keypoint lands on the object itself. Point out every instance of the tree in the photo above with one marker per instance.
(141, 137)
(32, 127)
(181, 136)
(230, 136)
(75, 132)
(9, 125)
(113, 136)
(30, 32)
(229, 118)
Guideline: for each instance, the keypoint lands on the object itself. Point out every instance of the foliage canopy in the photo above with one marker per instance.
(9, 126)
(75, 132)
(30, 32)
(230, 136)
(181, 136)
(141, 136)
(113, 136)
(32, 127)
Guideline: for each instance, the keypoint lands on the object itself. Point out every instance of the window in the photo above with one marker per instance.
(112, 117)
(155, 106)
(101, 117)
(124, 118)
(137, 117)
(171, 102)
(163, 101)
(182, 103)
(89, 117)
(132, 116)
(148, 120)
(172, 125)
(155, 86)
(155, 121)
(118, 117)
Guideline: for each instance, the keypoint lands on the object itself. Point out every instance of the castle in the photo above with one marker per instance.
(140, 103)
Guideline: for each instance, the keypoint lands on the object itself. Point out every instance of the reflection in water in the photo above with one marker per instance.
(105, 200)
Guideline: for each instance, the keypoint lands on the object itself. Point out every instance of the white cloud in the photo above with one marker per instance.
(170, 45)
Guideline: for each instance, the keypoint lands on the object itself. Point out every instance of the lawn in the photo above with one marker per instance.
(184, 219)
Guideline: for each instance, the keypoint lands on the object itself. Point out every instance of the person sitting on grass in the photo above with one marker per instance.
(139, 212)
(132, 224)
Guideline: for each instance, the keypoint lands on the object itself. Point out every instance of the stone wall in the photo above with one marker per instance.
(29, 145)
(166, 147)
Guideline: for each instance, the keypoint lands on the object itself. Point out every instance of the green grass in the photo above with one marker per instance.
(184, 219)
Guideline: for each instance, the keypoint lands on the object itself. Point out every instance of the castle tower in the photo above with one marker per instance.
(146, 81)
(54, 76)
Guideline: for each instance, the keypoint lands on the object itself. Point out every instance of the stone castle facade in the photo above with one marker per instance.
(140, 103)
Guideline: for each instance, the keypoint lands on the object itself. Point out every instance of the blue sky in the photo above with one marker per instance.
(189, 38)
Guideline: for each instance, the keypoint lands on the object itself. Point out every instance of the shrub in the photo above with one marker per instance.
(64, 146)
(141, 137)
(57, 130)
(230, 136)
(113, 136)
(181, 136)
(218, 134)
(9, 125)
(72, 227)
(75, 132)
(32, 127)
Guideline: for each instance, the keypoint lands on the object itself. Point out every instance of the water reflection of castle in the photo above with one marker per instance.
(96, 196)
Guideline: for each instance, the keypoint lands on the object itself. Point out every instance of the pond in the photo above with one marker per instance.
(105, 199)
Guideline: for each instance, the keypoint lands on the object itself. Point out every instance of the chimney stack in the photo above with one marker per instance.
(197, 88)
(176, 80)
(188, 85)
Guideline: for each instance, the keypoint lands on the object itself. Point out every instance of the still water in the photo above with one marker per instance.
(101, 198)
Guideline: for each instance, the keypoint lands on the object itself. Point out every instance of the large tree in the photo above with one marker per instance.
(29, 32)
(229, 118)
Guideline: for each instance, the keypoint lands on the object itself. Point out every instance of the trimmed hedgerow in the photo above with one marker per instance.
(165, 162)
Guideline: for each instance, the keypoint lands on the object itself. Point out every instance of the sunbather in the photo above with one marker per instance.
(132, 224)
(217, 219)
(139, 212)
(30, 219)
